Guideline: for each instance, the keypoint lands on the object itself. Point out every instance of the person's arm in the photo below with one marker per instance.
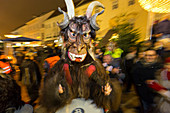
(154, 85)
(159, 88)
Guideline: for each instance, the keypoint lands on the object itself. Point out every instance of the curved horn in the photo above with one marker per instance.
(70, 8)
(93, 20)
(65, 23)
(91, 6)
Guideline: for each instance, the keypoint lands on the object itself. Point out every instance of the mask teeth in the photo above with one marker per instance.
(74, 56)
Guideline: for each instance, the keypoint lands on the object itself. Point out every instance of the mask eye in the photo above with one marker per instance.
(86, 35)
(73, 34)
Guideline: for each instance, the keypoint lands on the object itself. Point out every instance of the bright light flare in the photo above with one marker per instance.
(156, 6)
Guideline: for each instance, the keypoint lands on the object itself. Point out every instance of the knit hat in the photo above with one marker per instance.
(167, 60)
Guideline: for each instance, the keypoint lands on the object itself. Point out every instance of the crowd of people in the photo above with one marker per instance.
(32, 64)
(146, 68)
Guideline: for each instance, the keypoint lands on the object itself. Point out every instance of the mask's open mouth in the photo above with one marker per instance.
(77, 57)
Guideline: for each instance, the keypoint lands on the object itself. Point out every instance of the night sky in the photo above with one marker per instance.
(14, 13)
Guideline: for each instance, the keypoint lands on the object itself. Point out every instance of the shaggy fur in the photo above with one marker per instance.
(82, 87)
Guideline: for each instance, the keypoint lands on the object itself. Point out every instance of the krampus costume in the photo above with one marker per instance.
(78, 74)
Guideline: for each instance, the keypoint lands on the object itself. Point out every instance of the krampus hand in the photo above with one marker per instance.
(60, 88)
(106, 89)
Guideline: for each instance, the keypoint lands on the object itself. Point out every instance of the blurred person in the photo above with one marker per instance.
(117, 52)
(112, 67)
(113, 70)
(19, 57)
(159, 47)
(10, 96)
(162, 86)
(30, 76)
(140, 55)
(99, 54)
(153, 38)
(166, 52)
(6, 66)
(108, 50)
(142, 71)
(146, 45)
(50, 61)
(163, 28)
(113, 50)
(128, 64)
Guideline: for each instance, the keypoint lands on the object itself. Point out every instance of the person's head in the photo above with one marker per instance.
(141, 54)
(147, 44)
(158, 44)
(150, 56)
(108, 48)
(29, 55)
(167, 64)
(9, 94)
(132, 50)
(107, 59)
(167, 45)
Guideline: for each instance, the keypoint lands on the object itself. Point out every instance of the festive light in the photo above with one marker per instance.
(156, 6)
(12, 36)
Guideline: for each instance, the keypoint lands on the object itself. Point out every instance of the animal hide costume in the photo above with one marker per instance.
(78, 74)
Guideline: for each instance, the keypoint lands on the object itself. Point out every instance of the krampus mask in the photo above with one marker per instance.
(78, 31)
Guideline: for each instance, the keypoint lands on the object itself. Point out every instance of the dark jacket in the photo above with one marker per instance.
(30, 73)
(142, 72)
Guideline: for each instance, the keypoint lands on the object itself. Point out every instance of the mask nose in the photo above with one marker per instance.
(80, 43)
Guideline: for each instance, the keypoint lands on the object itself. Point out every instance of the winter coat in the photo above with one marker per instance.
(30, 74)
(142, 72)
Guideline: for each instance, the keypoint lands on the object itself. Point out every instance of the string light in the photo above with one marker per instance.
(156, 6)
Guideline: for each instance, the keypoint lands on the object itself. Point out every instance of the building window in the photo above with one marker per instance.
(131, 2)
(49, 26)
(114, 4)
(42, 25)
(54, 24)
(42, 35)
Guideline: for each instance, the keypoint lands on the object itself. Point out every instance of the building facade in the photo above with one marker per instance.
(33, 28)
(46, 29)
